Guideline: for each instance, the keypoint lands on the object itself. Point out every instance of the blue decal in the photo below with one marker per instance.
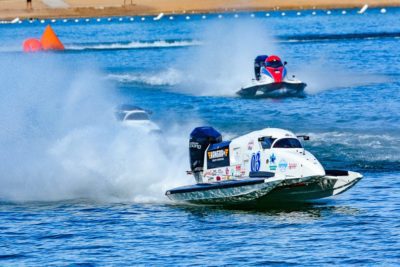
(272, 158)
(272, 163)
(282, 165)
(255, 162)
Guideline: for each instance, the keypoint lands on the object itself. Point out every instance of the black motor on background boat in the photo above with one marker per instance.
(200, 138)
(258, 63)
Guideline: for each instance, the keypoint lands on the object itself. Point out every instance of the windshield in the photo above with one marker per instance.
(137, 116)
(274, 64)
(266, 142)
(288, 143)
(120, 115)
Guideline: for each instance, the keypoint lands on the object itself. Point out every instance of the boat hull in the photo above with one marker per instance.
(266, 191)
(226, 192)
(282, 89)
(327, 186)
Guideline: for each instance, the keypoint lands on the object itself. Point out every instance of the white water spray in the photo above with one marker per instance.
(60, 140)
(225, 62)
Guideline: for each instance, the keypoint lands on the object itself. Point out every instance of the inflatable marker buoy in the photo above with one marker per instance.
(50, 40)
(32, 45)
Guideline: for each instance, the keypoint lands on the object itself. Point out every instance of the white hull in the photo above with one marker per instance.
(264, 191)
(323, 187)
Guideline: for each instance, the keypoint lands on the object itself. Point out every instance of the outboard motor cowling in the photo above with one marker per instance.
(200, 139)
(258, 63)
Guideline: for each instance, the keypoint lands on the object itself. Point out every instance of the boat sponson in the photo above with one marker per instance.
(217, 185)
(293, 88)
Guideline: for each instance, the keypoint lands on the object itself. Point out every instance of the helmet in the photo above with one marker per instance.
(272, 59)
(273, 62)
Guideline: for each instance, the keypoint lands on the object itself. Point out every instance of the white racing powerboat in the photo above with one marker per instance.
(264, 166)
(137, 118)
(271, 80)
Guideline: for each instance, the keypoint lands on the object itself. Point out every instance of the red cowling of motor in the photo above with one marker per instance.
(32, 45)
(276, 73)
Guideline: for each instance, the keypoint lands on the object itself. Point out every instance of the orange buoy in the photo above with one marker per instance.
(32, 45)
(50, 40)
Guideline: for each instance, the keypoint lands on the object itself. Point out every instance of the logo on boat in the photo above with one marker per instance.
(255, 162)
(218, 153)
(282, 165)
(194, 145)
(292, 166)
(250, 145)
(272, 165)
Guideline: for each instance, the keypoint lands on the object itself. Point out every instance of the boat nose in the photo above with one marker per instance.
(312, 167)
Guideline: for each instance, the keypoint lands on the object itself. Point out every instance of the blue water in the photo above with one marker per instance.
(76, 188)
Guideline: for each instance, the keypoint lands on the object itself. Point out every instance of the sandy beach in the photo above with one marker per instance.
(10, 9)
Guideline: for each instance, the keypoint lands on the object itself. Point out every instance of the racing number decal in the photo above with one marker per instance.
(255, 162)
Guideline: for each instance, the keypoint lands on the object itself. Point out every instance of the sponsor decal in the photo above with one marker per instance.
(282, 165)
(250, 145)
(238, 167)
(194, 145)
(292, 166)
(255, 162)
(208, 173)
(218, 158)
(218, 154)
(272, 161)
(227, 171)
(218, 178)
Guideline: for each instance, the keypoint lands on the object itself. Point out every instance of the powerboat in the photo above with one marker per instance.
(265, 166)
(136, 117)
(271, 80)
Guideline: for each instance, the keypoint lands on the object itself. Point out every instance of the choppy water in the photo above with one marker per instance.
(77, 188)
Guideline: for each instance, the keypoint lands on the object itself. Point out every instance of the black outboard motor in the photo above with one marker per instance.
(258, 63)
(200, 138)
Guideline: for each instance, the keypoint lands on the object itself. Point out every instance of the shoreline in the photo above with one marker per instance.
(154, 9)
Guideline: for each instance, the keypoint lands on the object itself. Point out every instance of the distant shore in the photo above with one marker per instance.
(10, 9)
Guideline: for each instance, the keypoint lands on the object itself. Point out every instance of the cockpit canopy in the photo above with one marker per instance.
(288, 143)
(274, 64)
(137, 116)
(268, 142)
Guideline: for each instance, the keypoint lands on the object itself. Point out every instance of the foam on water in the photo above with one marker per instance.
(169, 77)
(134, 45)
(63, 142)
